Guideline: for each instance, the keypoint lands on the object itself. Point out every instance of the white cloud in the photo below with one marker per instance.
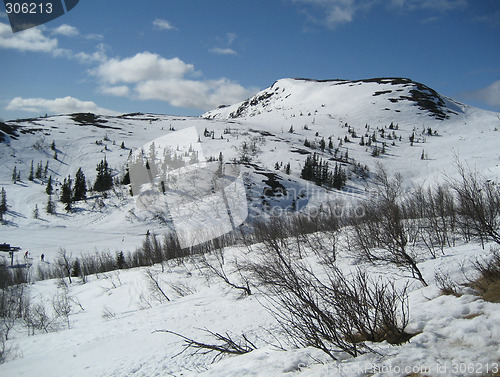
(489, 95)
(99, 55)
(204, 95)
(66, 30)
(223, 51)
(27, 40)
(439, 5)
(118, 91)
(333, 12)
(64, 105)
(148, 76)
(142, 67)
(163, 24)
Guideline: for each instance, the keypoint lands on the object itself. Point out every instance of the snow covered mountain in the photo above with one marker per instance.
(357, 125)
(258, 149)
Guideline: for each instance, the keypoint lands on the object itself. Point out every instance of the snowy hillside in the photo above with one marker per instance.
(199, 178)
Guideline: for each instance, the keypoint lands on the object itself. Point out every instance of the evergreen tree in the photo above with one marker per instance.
(322, 144)
(51, 207)
(53, 145)
(3, 204)
(80, 188)
(330, 144)
(120, 260)
(291, 130)
(287, 169)
(104, 180)
(66, 196)
(35, 212)
(46, 169)
(30, 177)
(39, 170)
(14, 175)
(49, 190)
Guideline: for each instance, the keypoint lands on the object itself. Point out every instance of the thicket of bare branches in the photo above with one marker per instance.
(383, 235)
(478, 205)
(319, 306)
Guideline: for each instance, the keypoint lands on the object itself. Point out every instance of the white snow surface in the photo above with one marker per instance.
(113, 332)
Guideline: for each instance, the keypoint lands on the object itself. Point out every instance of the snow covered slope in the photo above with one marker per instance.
(357, 120)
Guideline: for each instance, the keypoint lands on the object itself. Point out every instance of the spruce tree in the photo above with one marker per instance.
(35, 212)
(66, 197)
(14, 175)
(3, 204)
(322, 144)
(49, 190)
(39, 170)
(51, 207)
(46, 169)
(287, 169)
(30, 177)
(104, 180)
(80, 188)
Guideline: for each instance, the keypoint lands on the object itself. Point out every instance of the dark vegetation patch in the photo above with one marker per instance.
(8, 129)
(263, 133)
(382, 92)
(90, 119)
(300, 151)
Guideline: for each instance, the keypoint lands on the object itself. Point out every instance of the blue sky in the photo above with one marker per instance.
(185, 57)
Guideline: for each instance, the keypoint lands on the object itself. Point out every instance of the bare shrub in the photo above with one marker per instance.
(324, 308)
(478, 205)
(382, 236)
(446, 284)
(156, 290)
(217, 268)
(226, 344)
(488, 282)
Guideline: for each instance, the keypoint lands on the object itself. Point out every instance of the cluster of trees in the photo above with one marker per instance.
(40, 172)
(318, 171)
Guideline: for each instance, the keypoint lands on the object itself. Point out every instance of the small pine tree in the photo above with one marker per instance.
(330, 144)
(14, 175)
(80, 188)
(39, 170)
(277, 166)
(287, 168)
(35, 212)
(49, 190)
(66, 196)
(31, 176)
(51, 207)
(53, 145)
(104, 180)
(55, 155)
(422, 156)
(3, 204)
(122, 146)
(291, 130)
(322, 144)
(46, 169)
(76, 269)
(120, 260)
(307, 143)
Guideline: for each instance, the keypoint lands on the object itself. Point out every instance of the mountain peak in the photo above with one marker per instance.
(374, 97)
